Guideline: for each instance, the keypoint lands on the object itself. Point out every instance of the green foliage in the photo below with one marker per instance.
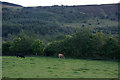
(70, 45)
(64, 28)
(82, 44)
(37, 22)
(80, 39)
(85, 44)
(61, 37)
(59, 46)
(53, 48)
(111, 48)
(16, 45)
(94, 44)
(21, 45)
(38, 47)
(5, 48)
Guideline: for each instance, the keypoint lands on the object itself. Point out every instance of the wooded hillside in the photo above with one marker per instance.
(48, 22)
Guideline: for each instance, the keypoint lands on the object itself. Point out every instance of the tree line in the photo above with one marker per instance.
(82, 44)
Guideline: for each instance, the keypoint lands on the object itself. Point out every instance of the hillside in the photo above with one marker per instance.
(6, 4)
(50, 21)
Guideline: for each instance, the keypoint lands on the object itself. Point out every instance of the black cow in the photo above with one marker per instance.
(19, 55)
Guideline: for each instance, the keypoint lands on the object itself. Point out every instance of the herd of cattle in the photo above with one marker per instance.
(22, 56)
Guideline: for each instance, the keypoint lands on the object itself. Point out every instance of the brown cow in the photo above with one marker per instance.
(61, 56)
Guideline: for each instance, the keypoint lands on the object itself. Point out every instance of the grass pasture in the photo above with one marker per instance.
(47, 67)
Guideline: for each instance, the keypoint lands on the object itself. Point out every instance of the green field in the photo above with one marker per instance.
(48, 67)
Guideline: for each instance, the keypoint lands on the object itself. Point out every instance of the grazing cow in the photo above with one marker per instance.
(61, 56)
(19, 55)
